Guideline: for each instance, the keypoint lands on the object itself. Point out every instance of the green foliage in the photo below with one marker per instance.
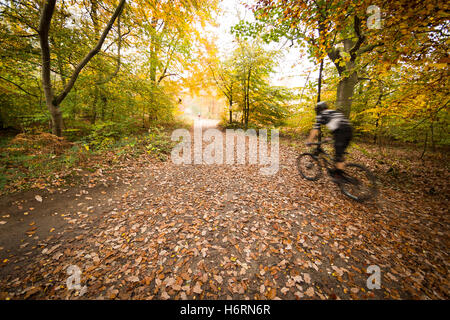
(28, 158)
(106, 134)
(244, 79)
(33, 156)
(401, 70)
(158, 142)
(272, 105)
(136, 76)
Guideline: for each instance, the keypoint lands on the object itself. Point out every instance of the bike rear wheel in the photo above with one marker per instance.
(308, 166)
(358, 182)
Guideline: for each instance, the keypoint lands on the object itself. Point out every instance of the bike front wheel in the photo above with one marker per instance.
(358, 182)
(309, 167)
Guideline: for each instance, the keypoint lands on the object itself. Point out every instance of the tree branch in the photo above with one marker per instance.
(334, 56)
(119, 45)
(19, 87)
(361, 38)
(169, 59)
(224, 91)
(90, 55)
(369, 48)
(166, 75)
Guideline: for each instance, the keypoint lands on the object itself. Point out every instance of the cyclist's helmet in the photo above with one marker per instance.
(320, 107)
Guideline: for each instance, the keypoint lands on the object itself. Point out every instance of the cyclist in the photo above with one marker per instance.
(342, 132)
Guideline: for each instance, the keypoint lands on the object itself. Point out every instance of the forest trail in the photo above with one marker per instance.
(163, 231)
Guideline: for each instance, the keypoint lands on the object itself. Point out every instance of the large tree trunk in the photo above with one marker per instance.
(344, 94)
(55, 111)
(347, 83)
(51, 100)
(57, 120)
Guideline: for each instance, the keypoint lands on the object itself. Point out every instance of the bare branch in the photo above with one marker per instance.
(19, 87)
(90, 55)
(166, 75)
(119, 45)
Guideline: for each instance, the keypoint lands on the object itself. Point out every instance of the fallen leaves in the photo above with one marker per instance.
(310, 292)
(31, 291)
(307, 278)
(31, 230)
(133, 279)
(197, 288)
(218, 232)
(218, 278)
(284, 290)
(165, 296)
(271, 293)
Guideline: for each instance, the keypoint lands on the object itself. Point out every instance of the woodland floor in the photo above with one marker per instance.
(156, 230)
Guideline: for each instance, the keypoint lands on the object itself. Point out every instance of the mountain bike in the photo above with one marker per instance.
(357, 182)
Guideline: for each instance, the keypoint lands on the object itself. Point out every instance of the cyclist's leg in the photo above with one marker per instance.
(342, 138)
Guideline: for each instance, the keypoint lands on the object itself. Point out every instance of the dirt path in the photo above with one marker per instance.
(167, 231)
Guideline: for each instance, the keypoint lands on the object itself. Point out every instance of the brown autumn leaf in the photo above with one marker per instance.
(307, 278)
(31, 291)
(183, 209)
(310, 291)
(218, 278)
(165, 295)
(197, 288)
(271, 293)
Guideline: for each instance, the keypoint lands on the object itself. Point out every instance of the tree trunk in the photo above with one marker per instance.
(51, 101)
(94, 17)
(153, 67)
(348, 76)
(230, 100)
(153, 51)
(377, 123)
(57, 120)
(104, 100)
(247, 96)
(94, 106)
(319, 89)
(433, 145)
(344, 94)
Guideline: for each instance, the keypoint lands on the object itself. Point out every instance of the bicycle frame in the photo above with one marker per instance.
(324, 160)
(321, 154)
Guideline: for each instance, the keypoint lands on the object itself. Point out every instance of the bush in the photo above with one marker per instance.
(106, 134)
(159, 143)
